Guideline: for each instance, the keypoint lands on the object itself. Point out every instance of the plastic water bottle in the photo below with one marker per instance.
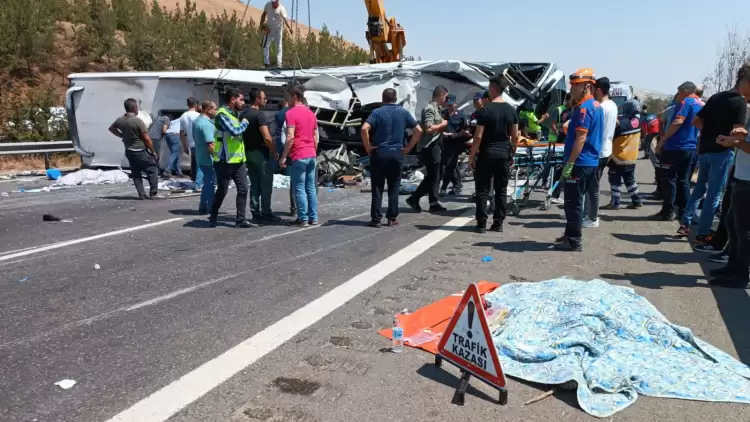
(398, 336)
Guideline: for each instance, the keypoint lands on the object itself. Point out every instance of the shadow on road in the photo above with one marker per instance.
(539, 224)
(660, 257)
(621, 217)
(133, 197)
(658, 280)
(432, 372)
(648, 239)
(517, 246)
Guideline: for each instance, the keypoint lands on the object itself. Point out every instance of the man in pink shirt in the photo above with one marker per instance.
(302, 146)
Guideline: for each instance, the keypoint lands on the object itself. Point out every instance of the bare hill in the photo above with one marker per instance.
(254, 11)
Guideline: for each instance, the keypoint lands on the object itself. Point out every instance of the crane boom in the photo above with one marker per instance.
(385, 36)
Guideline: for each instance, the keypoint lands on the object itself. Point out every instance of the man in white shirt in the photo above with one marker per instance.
(591, 202)
(276, 17)
(187, 141)
(175, 149)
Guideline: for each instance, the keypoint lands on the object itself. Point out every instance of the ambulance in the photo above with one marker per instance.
(620, 93)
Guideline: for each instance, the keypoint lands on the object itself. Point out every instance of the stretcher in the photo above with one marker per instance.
(533, 172)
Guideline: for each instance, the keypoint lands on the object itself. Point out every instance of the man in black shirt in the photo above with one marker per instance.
(722, 113)
(495, 142)
(454, 138)
(260, 151)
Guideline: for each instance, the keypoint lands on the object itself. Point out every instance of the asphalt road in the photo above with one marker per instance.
(146, 309)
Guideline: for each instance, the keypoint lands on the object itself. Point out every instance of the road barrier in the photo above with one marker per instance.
(45, 148)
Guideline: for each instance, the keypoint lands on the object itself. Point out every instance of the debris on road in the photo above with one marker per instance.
(97, 267)
(50, 217)
(540, 397)
(337, 163)
(65, 384)
(487, 259)
(177, 185)
(281, 182)
(23, 280)
(53, 174)
(4, 194)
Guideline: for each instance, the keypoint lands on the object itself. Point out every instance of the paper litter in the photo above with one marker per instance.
(65, 384)
(280, 181)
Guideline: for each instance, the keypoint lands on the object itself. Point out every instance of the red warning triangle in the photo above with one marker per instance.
(467, 341)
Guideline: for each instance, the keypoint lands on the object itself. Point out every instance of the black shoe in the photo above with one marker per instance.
(442, 193)
(497, 226)
(155, 197)
(719, 258)
(392, 222)
(609, 207)
(292, 212)
(244, 224)
(299, 223)
(414, 204)
(568, 246)
(561, 239)
(270, 218)
(257, 221)
(143, 197)
(707, 248)
(635, 206)
(437, 208)
(375, 224)
(661, 217)
(454, 192)
(213, 221)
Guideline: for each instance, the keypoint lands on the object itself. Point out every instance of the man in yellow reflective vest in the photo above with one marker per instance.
(229, 157)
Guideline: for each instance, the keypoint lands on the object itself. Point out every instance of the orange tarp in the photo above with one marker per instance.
(423, 327)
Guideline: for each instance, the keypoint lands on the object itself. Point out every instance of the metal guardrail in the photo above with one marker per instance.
(43, 148)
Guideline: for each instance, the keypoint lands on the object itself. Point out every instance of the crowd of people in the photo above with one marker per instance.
(234, 143)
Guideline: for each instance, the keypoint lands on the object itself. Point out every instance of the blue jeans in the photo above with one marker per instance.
(175, 150)
(208, 179)
(575, 188)
(677, 166)
(713, 170)
(302, 173)
(195, 170)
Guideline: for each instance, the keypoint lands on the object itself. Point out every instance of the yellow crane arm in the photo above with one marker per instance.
(384, 35)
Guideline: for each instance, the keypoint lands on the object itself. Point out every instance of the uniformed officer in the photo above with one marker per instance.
(229, 157)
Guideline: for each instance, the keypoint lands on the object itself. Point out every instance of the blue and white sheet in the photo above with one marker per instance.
(612, 342)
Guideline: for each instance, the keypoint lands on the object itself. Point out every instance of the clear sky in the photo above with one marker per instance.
(651, 44)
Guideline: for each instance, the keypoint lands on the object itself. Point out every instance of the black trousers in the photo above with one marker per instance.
(738, 228)
(677, 167)
(431, 157)
(491, 170)
(143, 162)
(451, 153)
(385, 167)
(591, 203)
(224, 174)
(575, 189)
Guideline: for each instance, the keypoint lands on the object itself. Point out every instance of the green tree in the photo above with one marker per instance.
(128, 14)
(27, 33)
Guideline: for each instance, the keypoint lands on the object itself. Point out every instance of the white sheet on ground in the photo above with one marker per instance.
(93, 177)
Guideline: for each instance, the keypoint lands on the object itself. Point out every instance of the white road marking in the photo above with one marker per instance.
(166, 402)
(186, 290)
(84, 239)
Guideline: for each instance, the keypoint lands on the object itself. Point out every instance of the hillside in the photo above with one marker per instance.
(254, 11)
(39, 50)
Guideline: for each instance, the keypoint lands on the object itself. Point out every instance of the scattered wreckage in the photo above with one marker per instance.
(341, 97)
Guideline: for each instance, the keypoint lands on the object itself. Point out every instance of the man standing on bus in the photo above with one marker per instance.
(274, 31)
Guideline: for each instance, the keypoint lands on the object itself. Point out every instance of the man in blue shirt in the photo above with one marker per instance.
(204, 135)
(676, 151)
(387, 148)
(583, 144)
